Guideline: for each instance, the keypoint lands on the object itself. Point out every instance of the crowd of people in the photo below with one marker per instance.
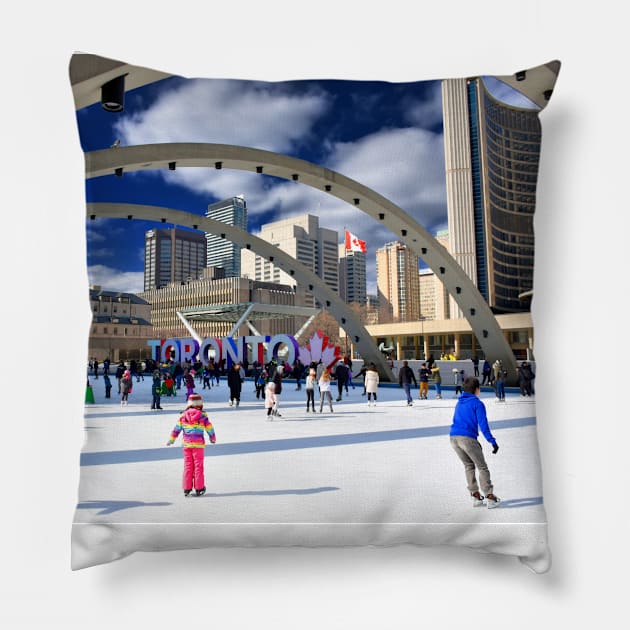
(168, 378)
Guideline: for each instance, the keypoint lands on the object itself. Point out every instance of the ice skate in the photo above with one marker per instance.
(200, 492)
(477, 498)
(187, 492)
(492, 501)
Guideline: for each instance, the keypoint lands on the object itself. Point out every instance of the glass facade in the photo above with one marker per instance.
(220, 251)
(172, 255)
(477, 191)
(506, 141)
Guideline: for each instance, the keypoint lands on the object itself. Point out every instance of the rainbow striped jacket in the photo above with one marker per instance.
(193, 423)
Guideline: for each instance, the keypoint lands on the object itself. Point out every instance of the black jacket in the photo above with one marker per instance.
(406, 376)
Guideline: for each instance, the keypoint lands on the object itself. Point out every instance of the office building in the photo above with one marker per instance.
(352, 276)
(210, 290)
(220, 251)
(492, 152)
(398, 283)
(121, 325)
(172, 255)
(302, 238)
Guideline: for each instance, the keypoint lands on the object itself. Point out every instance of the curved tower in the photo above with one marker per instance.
(492, 150)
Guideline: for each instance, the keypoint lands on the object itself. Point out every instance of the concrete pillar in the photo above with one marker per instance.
(398, 349)
(426, 348)
(457, 345)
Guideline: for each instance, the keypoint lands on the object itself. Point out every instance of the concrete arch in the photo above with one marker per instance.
(403, 226)
(303, 275)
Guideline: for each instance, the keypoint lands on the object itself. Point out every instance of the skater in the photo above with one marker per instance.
(437, 378)
(193, 422)
(169, 385)
(423, 374)
(178, 373)
(497, 368)
(324, 390)
(525, 378)
(198, 368)
(500, 386)
(235, 383)
(475, 362)
(108, 385)
(126, 385)
(261, 381)
(405, 378)
(277, 381)
(341, 374)
(371, 384)
(156, 390)
(485, 372)
(468, 419)
(270, 399)
(205, 375)
(120, 370)
(348, 361)
(297, 373)
(106, 364)
(458, 379)
(310, 389)
(95, 367)
(189, 382)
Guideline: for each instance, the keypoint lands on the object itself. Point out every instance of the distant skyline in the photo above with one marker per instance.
(387, 136)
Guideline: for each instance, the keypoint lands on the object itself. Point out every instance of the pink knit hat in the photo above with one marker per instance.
(194, 400)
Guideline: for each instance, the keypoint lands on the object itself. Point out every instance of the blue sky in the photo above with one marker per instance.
(387, 136)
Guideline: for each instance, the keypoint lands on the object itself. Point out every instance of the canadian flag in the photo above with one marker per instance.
(354, 244)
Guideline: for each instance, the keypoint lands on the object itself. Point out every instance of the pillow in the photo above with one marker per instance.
(320, 289)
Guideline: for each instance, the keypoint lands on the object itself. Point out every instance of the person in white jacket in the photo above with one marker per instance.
(310, 389)
(371, 384)
(324, 390)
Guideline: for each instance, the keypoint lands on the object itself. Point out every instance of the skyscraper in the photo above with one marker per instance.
(303, 238)
(172, 255)
(398, 283)
(352, 276)
(492, 152)
(221, 252)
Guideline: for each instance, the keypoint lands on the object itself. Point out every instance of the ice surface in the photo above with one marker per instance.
(390, 463)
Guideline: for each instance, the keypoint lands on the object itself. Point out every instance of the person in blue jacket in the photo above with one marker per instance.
(468, 419)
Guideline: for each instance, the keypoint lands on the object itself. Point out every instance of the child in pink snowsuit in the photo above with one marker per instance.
(194, 423)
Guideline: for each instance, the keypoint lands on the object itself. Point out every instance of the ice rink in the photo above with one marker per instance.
(388, 463)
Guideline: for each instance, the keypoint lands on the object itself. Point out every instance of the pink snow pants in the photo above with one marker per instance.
(193, 468)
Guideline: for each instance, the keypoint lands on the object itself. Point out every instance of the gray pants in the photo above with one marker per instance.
(325, 395)
(471, 454)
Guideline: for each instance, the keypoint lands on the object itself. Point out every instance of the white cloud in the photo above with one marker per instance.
(404, 165)
(426, 113)
(101, 252)
(225, 111)
(111, 279)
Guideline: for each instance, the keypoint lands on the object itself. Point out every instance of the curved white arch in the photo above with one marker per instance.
(304, 276)
(405, 227)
